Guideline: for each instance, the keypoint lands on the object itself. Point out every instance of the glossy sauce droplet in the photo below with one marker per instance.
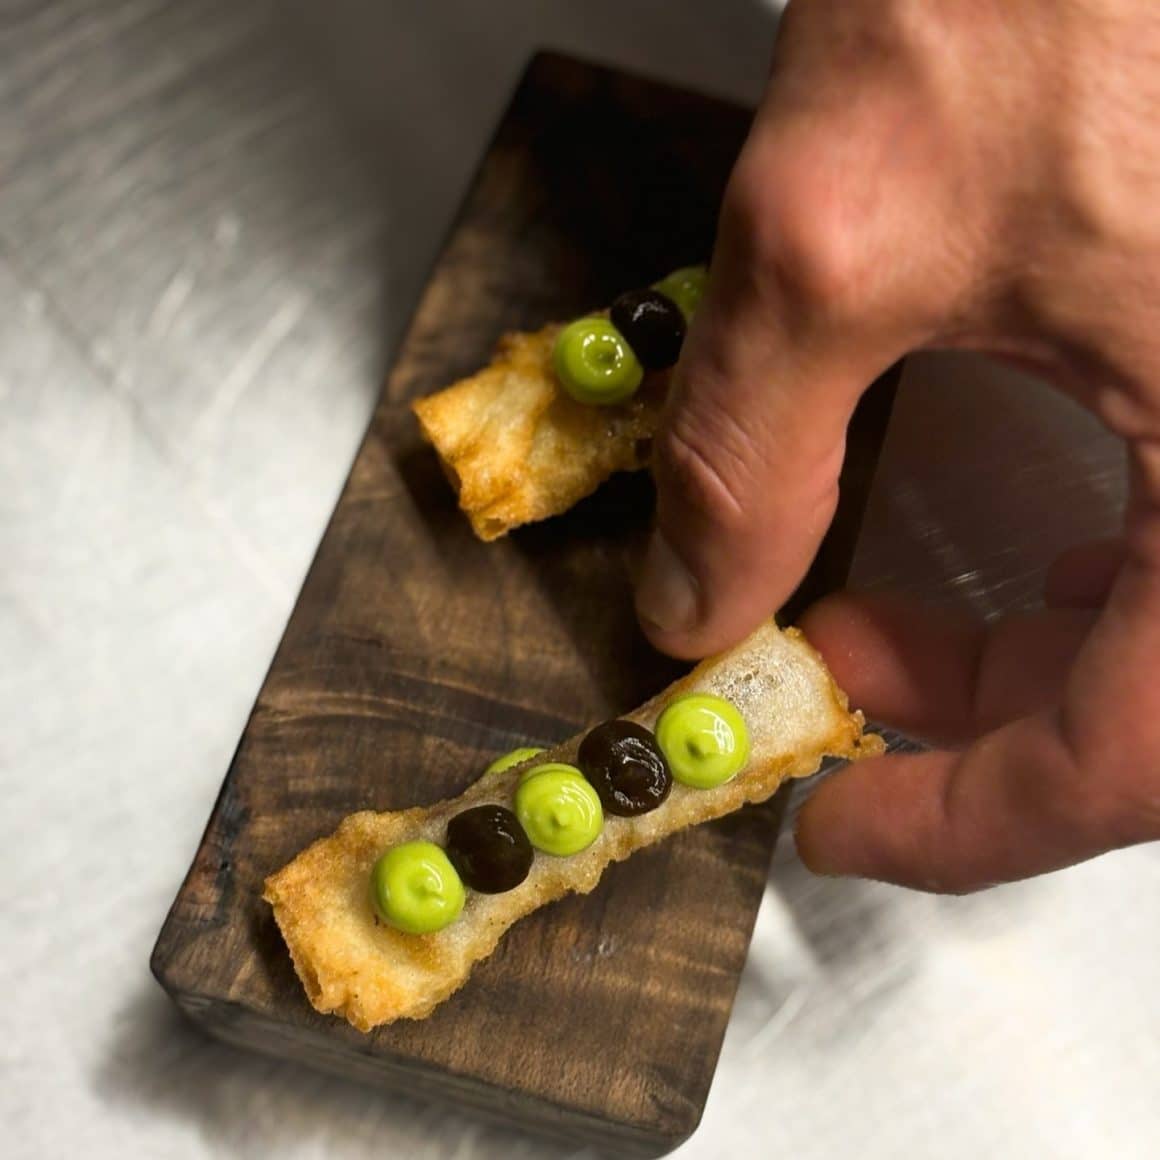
(489, 848)
(653, 325)
(686, 287)
(559, 810)
(594, 363)
(415, 888)
(626, 768)
(704, 739)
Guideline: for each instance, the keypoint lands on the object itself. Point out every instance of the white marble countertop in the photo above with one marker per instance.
(214, 217)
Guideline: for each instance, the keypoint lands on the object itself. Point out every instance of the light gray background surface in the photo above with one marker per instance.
(214, 218)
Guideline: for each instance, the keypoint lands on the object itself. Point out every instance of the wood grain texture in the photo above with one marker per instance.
(415, 653)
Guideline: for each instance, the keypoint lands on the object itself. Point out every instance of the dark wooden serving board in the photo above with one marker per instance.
(416, 653)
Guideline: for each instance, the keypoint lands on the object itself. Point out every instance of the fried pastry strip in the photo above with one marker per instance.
(517, 448)
(353, 965)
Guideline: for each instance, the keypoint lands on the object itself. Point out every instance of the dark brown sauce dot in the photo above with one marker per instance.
(652, 324)
(489, 849)
(625, 767)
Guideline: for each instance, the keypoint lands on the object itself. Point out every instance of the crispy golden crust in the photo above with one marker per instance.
(517, 448)
(355, 966)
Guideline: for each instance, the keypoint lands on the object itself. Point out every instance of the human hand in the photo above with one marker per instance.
(935, 174)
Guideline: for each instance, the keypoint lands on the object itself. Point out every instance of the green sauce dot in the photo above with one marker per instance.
(559, 810)
(415, 888)
(686, 287)
(515, 757)
(594, 363)
(704, 739)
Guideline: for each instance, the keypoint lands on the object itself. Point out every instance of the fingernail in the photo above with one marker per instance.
(666, 595)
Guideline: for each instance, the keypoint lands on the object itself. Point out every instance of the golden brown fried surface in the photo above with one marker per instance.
(517, 448)
(355, 966)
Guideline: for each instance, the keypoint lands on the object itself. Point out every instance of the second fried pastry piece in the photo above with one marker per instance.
(517, 448)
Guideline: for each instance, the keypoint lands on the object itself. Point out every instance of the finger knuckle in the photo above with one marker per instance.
(1113, 785)
(791, 220)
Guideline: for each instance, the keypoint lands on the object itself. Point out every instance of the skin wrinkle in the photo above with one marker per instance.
(703, 483)
(975, 683)
(1093, 815)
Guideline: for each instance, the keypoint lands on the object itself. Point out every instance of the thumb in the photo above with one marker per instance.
(747, 458)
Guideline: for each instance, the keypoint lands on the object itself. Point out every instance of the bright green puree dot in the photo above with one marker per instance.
(524, 753)
(686, 287)
(416, 889)
(558, 809)
(594, 363)
(704, 739)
